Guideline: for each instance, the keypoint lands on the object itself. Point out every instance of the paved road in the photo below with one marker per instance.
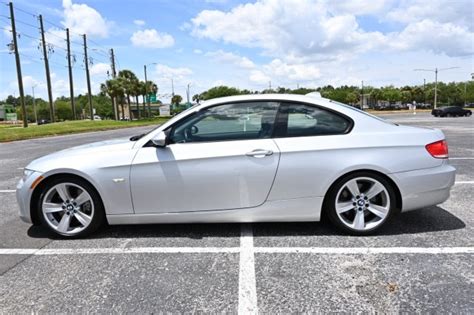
(269, 267)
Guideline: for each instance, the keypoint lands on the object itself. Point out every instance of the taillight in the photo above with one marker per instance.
(438, 149)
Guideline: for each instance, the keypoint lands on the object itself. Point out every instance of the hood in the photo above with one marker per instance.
(83, 152)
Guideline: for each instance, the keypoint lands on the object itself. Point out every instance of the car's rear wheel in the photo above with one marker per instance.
(361, 203)
(70, 207)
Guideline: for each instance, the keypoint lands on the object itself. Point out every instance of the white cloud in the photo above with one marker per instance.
(259, 77)
(437, 37)
(459, 12)
(168, 72)
(358, 7)
(99, 69)
(197, 51)
(295, 72)
(83, 19)
(315, 30)
(139, 22)
(280, 27)
(151, 38)
(228, 57)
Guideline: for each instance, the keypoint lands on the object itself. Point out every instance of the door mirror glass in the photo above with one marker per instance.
(159, 140)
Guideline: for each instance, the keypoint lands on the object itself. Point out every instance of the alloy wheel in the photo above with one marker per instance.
(68, 208)
(362, 203)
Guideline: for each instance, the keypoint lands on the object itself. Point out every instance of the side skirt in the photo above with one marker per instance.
(301, 209)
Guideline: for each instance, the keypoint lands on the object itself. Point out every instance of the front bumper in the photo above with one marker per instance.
(426, 187)
(23, 196)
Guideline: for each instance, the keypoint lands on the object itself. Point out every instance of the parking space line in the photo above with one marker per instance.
(7, 191)
(129, 250)
(464, 182)
(366, 250)
(461, 158)
(247, 282)
(246, 249)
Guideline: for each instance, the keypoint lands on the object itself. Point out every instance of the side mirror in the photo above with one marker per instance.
(159, 140)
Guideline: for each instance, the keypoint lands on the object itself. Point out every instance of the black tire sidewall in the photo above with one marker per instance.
(330, 203)
(99, 213)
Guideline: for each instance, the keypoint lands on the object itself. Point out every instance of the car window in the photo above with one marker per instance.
(236, 121)
(300, 120)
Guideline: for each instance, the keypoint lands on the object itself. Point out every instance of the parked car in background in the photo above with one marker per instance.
(97, 117)
(248, 158)
(451, 111)
(43, 121)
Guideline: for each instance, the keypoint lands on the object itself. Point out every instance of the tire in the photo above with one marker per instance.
(468, 114)
(70, 207)
(345, 210)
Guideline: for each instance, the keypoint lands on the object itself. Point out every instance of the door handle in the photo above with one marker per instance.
(259, 153)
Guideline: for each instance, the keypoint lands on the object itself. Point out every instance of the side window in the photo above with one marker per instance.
(299, 120)
(238, 121)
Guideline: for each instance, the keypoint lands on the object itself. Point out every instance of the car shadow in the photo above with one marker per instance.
(431, 219)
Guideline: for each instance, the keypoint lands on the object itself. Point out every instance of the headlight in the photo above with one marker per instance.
(27, 173)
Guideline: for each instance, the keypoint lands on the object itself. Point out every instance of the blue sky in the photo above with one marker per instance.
(244, 44)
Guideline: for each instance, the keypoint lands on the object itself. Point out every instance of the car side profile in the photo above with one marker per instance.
(451, 111)
(250, 158)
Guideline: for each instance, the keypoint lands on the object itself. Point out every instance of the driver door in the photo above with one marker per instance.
(221, 157)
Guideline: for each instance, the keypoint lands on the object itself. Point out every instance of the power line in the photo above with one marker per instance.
(24, 11)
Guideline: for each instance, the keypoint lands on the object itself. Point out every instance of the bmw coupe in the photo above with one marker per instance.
(246, 158)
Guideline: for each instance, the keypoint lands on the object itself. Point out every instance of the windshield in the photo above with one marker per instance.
(363, 112)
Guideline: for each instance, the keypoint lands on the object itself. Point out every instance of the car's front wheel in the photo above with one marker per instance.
(361, 203)
(70, 207)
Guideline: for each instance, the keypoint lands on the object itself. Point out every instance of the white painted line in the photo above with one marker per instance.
(366, 250)
(464, 182)
(247, 282)
(7, 191)
(247, 268)
(461, 158)
(130, 250)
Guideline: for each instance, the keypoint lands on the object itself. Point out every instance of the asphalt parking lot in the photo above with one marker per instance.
(423, 262)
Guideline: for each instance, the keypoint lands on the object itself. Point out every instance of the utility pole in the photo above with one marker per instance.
(362, 96)
(88, 78)
(424, 93)
(465, 93)
(71, 84)
(34, 104)
(187, 93)
(46, 66)
(18, 67)
(147, 95)
(114, 74)
(269, 85)
(172, 87)
(436, 70)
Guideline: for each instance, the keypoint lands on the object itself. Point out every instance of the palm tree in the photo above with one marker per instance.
(128, 79)
(143, 93)
(114, 89)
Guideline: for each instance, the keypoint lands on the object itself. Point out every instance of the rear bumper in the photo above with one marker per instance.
(426, 187)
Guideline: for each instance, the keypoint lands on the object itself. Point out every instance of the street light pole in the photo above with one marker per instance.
(34, 104)
(436, 70)
(187, 93)
(146, 88)
(146, 91)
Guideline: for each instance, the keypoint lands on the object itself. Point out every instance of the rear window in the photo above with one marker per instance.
(300, 120)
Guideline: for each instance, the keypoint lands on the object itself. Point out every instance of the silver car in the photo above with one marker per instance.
(249, 158)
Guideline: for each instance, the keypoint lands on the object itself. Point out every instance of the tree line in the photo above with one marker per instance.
(449, 94)
(127, 87)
